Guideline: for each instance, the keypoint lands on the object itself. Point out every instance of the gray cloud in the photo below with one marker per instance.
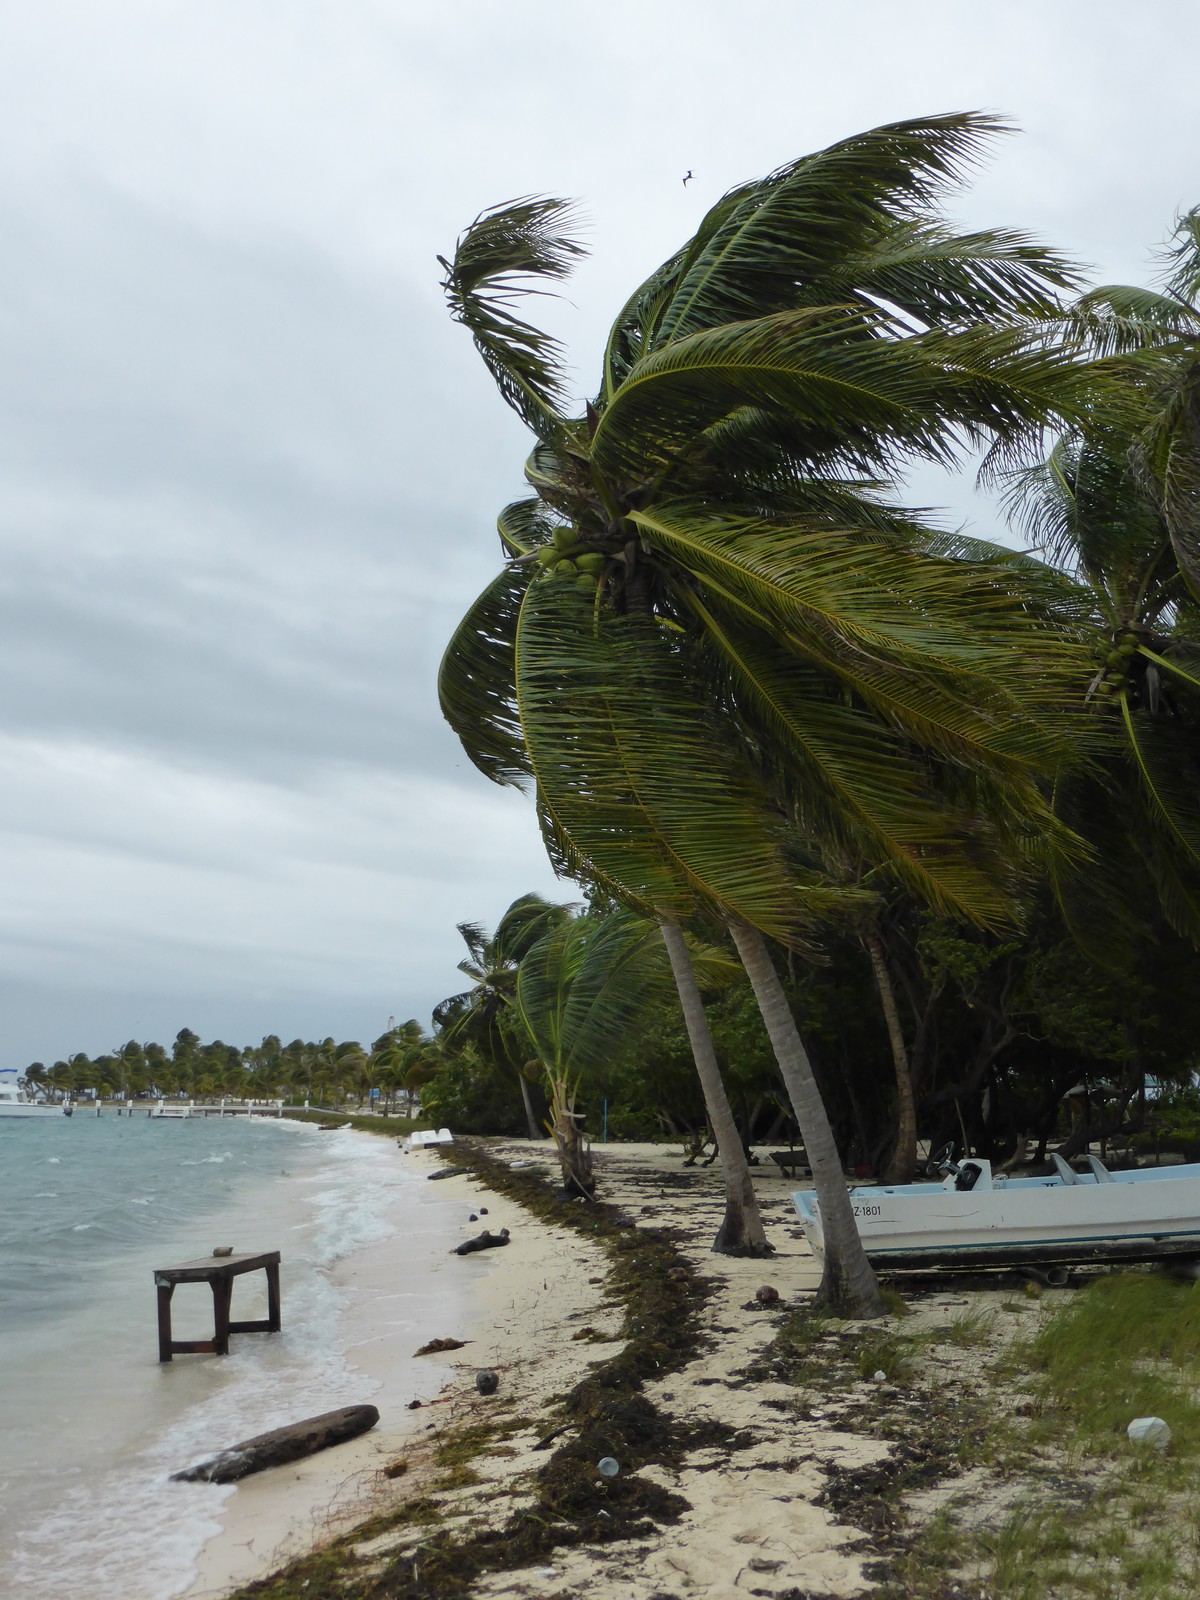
(249, 470)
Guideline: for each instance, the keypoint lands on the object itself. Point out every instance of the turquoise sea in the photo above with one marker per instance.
(92, 1423)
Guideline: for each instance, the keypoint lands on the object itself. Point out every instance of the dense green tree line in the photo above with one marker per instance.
(997, 1031)
(327, 1072)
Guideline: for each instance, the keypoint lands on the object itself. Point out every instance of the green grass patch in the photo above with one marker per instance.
(1126, 1346)
(1098, 1518)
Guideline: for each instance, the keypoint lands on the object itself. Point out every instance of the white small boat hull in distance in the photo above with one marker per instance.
(1070, 1219)
(13, 1103)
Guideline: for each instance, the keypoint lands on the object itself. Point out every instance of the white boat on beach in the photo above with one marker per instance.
(15, 1104)
(977, 1218)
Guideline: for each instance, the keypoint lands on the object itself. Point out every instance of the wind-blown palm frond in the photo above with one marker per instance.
(601, 698)
(1085, 509)
(771, 239)
(858, 784)
(1182, 258)
(480, 1013)
(585, 985)
(1169, 455)
(1122, 319)
(1169, 773)
(930, 644)
(475, 939)
(496, 257)
(580, 988)
(525, 922)
(477, 681)
(630, 334)
(852, 398)
(942, 279)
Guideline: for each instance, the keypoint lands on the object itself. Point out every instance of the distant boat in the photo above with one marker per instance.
(975, 1218)
(15, 1104)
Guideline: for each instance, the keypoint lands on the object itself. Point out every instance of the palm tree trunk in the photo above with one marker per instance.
(902, 1163)
(848, 1284)
(741, 1233)
(574, 1156)
(530, 1119)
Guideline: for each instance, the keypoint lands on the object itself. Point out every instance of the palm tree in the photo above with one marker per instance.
(483, 1012)
(36, 1079)
(585, 984)
(714, 628)
(1108, 507)
(404, 1058)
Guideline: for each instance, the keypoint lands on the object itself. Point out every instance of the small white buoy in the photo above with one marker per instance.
(1149, 1430)
(607, 1467)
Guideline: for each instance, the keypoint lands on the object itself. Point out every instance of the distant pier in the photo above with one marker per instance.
(180, 1110)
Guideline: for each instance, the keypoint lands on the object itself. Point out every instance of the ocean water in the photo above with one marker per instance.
(91, 1423)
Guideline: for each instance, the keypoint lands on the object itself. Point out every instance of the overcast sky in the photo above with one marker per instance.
(249, 470)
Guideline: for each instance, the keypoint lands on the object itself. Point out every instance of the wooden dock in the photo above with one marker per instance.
(218, 1272)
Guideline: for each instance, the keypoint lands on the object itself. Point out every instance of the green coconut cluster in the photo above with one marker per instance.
(1118, 661)
(568, 557)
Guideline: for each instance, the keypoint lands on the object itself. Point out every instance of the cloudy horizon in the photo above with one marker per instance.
(249, 469)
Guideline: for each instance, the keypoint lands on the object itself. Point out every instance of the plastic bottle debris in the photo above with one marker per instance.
(1149, 1430)
(607, 1467)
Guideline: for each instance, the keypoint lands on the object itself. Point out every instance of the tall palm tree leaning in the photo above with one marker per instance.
(714, 631)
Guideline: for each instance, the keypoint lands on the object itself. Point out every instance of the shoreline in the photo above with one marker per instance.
(513, 1309)
(761, 1450)
(541, 1315)
(273, 1517)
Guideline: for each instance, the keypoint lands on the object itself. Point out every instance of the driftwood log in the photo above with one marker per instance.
(281, 1445)
(482, 1241)
(445, 1172)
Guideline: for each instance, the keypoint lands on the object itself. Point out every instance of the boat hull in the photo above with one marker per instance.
(1137, 1216)
(25, 1111)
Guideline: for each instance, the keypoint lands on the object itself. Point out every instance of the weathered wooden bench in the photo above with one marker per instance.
(791, 1162)
(218, 1272)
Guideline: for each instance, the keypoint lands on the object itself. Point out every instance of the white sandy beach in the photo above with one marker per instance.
(516, 1307)
(521, 1309)
(759, 1519)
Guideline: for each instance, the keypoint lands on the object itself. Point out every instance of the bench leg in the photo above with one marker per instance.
(222, 1296)
(165, 1291)
(274, 1317)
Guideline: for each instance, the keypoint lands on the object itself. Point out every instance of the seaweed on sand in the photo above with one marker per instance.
(607, 1414)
